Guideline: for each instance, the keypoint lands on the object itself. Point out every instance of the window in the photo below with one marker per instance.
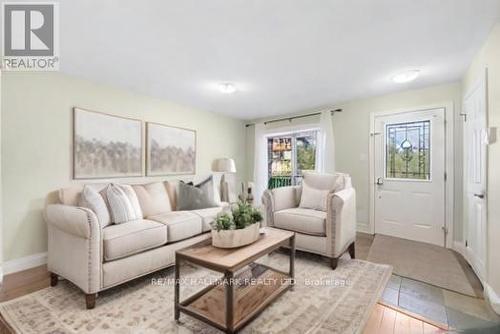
(289, 156)
(407, 153)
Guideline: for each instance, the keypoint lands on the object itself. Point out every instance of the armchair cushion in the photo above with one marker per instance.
(306, 221)
(313, 198)
(332, 182)
(180, 224)
(132, 237)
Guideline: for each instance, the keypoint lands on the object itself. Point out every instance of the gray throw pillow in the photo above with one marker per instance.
(191, 197)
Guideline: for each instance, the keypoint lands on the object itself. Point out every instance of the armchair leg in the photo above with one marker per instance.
(334, 262)
(352, 251)
(90, 300)
(53, 279)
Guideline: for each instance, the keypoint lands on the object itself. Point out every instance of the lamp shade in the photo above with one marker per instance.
(224, 165)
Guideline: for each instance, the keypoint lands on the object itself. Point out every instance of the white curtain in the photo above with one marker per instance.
(325, 154)
(260, 162)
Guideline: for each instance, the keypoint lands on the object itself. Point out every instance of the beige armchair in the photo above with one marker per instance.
(329, 232)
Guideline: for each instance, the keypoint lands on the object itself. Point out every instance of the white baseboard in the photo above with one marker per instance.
(493, 298)
(24, 263)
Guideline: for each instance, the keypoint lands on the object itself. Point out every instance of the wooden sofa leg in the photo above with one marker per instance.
(334, 262)
(352, 251)
(90, 300)
(53, 279)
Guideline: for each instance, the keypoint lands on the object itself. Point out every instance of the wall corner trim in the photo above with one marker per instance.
(24, 263)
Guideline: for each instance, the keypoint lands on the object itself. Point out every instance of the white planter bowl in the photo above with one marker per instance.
(235, 238)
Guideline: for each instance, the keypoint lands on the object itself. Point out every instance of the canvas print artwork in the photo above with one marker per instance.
(106, 146)
(170, 150)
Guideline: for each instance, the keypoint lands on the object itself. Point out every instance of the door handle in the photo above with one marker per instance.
(380, 181)
(479, 195)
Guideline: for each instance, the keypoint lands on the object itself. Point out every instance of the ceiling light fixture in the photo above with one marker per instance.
(406, 76)
(227, 88)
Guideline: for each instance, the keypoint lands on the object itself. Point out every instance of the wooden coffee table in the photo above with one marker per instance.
(240, 295)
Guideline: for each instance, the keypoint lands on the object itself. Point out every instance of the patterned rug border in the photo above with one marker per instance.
(11, 322)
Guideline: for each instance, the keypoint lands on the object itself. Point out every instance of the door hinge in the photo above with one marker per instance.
(375, 133)
(445, 176)
(464, 115)
(445, 230)
(466, 243)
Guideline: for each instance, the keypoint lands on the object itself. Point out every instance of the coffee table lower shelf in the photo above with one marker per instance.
(210, 304)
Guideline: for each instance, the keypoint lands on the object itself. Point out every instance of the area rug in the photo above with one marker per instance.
(424, 262)
(322, 301)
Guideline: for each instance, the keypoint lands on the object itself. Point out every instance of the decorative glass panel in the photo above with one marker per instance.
(408, 151)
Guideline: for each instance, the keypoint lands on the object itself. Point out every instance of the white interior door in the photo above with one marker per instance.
(410, 175)
(475, 160)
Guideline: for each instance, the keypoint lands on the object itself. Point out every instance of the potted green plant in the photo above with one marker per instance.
(236, 228)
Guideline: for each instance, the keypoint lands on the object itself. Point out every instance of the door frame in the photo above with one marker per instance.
(449, 121)
(482, 273)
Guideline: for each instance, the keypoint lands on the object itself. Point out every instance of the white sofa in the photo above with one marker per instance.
(329, 233)
(96, 258)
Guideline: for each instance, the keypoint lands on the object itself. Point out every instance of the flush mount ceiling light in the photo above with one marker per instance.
(227, 88)
(406, 76)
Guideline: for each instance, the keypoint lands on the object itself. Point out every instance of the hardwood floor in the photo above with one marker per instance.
(383, 320)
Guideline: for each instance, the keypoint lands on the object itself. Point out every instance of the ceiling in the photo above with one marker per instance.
(283, 56)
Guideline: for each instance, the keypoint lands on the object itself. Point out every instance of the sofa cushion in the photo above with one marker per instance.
(207, 216)
(180, 224)
(153, 198)
(301, 220)
(71, 195)
(132, 237)
(172, 188)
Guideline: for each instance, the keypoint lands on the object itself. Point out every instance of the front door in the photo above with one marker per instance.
(410, 175)
(475, 142)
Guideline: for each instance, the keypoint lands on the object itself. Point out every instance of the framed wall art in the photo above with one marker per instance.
(106, 146)
(170, 150)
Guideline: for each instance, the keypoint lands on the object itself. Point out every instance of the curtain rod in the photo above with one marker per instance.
(294, 117)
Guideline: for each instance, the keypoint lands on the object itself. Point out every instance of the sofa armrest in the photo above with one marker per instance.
(75, 245)
(341, 220)
(77, 221)
(279, 199)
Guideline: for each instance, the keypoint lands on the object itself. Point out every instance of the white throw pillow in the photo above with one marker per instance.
(132, 196)
(92, 200)
(313, 198)
(120, 204)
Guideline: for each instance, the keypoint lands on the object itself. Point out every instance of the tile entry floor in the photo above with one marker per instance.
(462, 314)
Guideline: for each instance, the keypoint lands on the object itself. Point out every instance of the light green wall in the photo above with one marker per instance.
(36, 136)
(489, 57)
(352, 135)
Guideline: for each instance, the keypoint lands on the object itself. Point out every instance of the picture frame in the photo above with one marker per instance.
(170, 150)
(106, 146)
